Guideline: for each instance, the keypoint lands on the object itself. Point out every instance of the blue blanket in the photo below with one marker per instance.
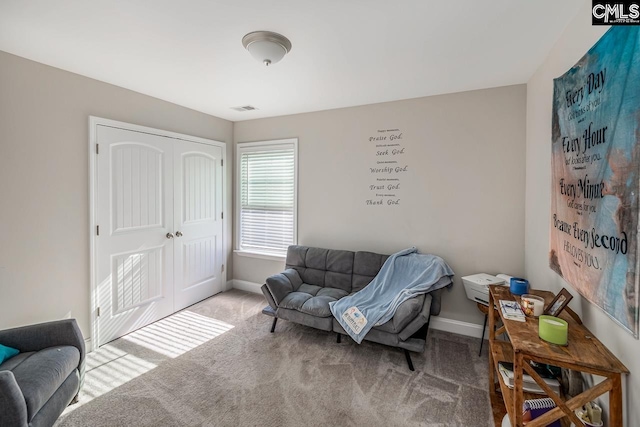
(404, 275)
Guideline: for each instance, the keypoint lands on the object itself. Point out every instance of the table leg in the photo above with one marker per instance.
(483, 328)
(518, 398)
(492, 324)
(615, 401)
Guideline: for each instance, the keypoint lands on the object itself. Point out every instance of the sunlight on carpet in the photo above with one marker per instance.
(109, 367)
(179, 333)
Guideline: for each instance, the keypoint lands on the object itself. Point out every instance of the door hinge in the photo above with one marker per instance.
(221, 162)
(97, 148)
(98, 312)
(222, 268)
(97, 230)
(222, 215)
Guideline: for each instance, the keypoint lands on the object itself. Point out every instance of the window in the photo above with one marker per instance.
(267, 196)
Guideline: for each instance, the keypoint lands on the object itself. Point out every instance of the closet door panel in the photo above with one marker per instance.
(134, 257)
(198, 222)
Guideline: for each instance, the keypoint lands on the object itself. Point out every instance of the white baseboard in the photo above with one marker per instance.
(457, 327)
(437, 322)
(243, 285)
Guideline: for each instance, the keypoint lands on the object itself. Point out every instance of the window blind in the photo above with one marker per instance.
(267, 199)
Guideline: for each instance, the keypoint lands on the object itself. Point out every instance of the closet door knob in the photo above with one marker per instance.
(178, 233)
(169, 235)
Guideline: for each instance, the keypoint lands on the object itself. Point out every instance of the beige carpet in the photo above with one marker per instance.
(216, 364)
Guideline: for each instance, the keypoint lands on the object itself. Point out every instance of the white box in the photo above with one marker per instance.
(476, 286)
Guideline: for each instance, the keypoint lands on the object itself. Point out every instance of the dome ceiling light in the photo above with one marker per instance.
(266, 46)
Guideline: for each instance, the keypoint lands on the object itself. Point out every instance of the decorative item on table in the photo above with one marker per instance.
(519, 286)
(559, 302)
(553, 329)
(532, 305)
(511, 310)
(590, 414)
(534, 408)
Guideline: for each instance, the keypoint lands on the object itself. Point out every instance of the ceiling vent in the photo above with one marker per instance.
(244, 108)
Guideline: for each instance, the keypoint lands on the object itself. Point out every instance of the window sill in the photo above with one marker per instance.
(270, 257)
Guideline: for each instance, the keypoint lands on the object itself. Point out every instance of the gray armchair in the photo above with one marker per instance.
(40, 382)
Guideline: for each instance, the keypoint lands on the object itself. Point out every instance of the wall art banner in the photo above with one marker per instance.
(596, 173)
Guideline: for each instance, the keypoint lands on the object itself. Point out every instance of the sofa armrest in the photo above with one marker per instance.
(436, 301)
(420, 320)
(267, 295)
(13, 408)
(282, 284)
(407, 311)
(43, 335)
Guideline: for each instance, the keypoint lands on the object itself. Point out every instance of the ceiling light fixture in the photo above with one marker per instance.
(266, 47)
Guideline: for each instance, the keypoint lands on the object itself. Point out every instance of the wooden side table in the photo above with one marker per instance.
(584, 353)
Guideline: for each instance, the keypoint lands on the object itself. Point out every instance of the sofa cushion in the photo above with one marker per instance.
(339, 270)
(338, 280)
(322, 267)
(294, 278)
(296, 260)
(315, 302)
(332, 292)
(309, 289)
(317, 306)
(296, 256)
(10, 364)
(313, 276)
(366, 266)
(41, 374)
(314, 266)
(340, 261)
(294, 300)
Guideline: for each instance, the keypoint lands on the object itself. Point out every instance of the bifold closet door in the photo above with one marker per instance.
(159, 213)
(134, 257)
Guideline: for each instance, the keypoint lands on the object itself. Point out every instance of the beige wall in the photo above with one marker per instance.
(578, 37)
(44, 182)
(462, 198)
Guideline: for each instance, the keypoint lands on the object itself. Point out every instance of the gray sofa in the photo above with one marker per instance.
(41, 381)
(314, 277)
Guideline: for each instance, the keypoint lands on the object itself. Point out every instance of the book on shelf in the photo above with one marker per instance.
(528, 383)
(511, 310)
(534, 408)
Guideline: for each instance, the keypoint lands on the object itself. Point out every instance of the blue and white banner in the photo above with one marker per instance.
(596, 175)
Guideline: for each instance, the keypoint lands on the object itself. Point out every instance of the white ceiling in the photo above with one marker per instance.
(345, 52)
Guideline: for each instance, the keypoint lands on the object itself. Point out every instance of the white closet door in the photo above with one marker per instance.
(198, 222)
(134, 256)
